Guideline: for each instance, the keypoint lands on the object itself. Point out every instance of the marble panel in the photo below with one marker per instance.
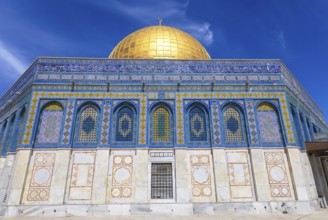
(239, 175)
(82, 173)
(201, 172)
(277, 174)
(40, 183)
(120, 178)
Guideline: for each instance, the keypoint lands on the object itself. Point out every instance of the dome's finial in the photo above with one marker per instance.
(160, 20)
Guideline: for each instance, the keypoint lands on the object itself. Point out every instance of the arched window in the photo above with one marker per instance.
(233, 125)
(20, 127)
(297, 127)
(88, 124)
(9, 133)
(2, 135)
(125, 124)
(50, 124)
(198, 124)
(162, 131)
(270, 129)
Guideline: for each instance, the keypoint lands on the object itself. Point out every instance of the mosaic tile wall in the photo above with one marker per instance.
(254, 139)
(233, 125)
(216, 122)
(179, 116)
(50, 126)
(269, 127)
(197, 125)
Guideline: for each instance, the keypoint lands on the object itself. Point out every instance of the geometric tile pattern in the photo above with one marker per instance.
(124, 124)
(143, 108)
(200, 175)
(216, 123)
(239, 175)
(122, 172)
(88, 131)
(232, 123)
(251, 122)
(198, 125)
(269, 126)
(68, 122)
(80, 187)
(50, 126)
(161, 125)
(143, 117)
(277, 173)
(40, 183)
(179, 119)
(105, 124)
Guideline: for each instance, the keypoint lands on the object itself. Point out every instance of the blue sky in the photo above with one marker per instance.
(295, 31)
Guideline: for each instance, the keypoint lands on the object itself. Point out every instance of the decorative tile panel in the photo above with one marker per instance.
(105, 124)
(201, 175)
(82, 172)
(39, 188)
(239, 175)
(216, 123)
(68, 122)
(143, 108)
(143, 119)
(269, 126)
(122, 172)
(251, 122)
(277, 173)
(179, 118)
(50, 127)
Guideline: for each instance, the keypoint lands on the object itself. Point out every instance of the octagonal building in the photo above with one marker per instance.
(158, 127)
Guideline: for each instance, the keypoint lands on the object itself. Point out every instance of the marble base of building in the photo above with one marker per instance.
(101, 182)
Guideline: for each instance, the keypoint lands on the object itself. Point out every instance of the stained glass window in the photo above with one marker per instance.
(88, 125)
(9, 134)
(161, 125)
(50, 124)
(124, 124)
(197, 124)
(232, 123)
(269, 124)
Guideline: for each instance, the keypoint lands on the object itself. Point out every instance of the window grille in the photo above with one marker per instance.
(197, 125)
(161, 181)
(88, 125)
(161, 125)
(232, 122)
(124, 125)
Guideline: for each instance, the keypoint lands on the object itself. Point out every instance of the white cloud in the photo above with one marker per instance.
(174, 11)
(11, 65)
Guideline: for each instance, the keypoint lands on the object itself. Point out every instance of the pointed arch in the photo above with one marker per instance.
(161, 124)
(198, 123)
(269, 124)
(49, 126)
(3, 137)
(87, 124)
(125, 123)
(20, 127)
(234, 129)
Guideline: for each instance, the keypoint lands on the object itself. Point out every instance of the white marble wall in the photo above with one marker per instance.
(117, 176)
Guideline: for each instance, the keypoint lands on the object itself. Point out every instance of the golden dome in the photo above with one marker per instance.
(159, 42)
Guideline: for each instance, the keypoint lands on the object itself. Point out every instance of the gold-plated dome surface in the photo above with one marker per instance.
(159, 42)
